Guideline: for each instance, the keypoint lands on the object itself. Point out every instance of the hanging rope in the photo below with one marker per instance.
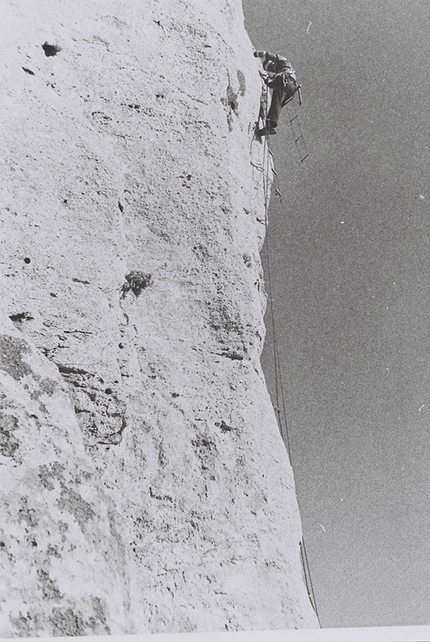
(308, 577)
(280, 403)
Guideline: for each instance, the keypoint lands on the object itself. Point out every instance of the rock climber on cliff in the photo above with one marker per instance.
(280, 77)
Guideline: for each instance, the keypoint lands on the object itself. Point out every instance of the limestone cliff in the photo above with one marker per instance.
(144, 485)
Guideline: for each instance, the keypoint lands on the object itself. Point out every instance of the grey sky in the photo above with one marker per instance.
(350, 252)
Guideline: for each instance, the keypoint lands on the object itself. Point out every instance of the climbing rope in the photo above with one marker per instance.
(280, 403)
(308, 577)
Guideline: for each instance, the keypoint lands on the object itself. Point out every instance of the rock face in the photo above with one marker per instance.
(144, 485)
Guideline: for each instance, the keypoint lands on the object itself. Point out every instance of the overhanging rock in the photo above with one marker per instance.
(144, 485)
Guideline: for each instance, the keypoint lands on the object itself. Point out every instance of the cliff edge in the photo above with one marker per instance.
(144, 485)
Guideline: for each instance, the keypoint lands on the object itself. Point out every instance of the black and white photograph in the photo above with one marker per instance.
(215, 320)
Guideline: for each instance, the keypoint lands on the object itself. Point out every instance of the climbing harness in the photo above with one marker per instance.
(280, 403)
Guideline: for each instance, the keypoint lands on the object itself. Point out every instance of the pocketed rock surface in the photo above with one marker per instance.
(144, 484)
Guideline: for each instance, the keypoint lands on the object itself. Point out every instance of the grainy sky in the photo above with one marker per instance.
(350, 253)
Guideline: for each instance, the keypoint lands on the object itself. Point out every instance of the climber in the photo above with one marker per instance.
(280, 77)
